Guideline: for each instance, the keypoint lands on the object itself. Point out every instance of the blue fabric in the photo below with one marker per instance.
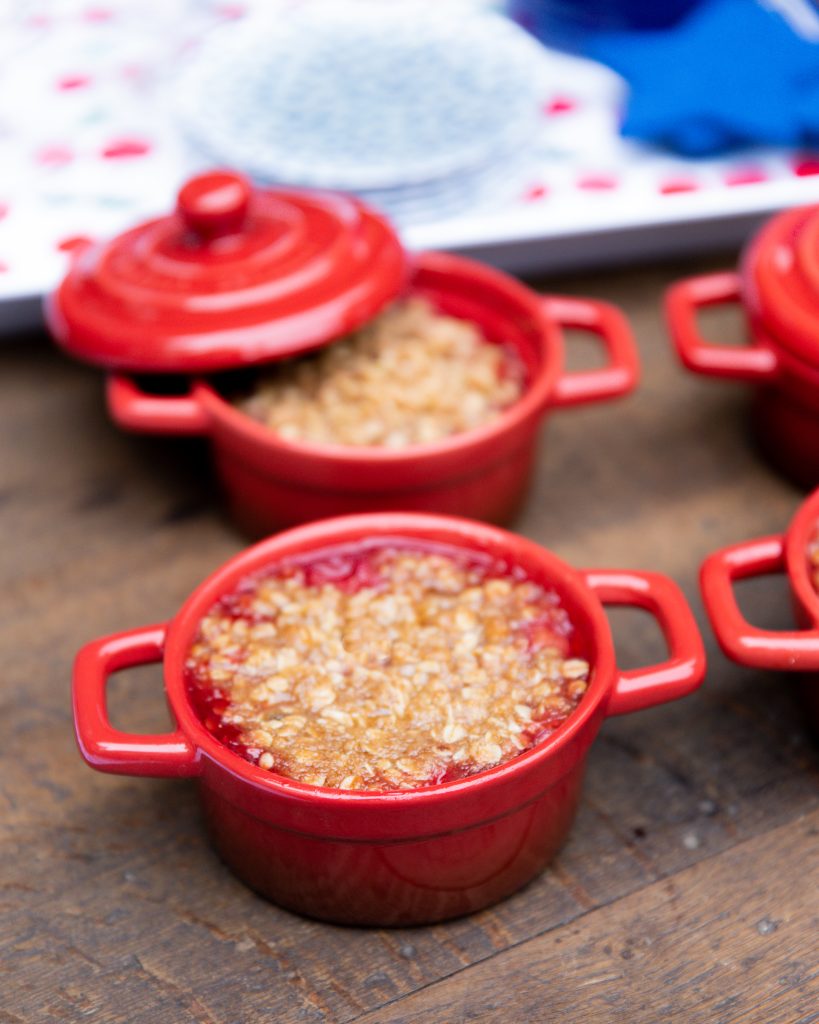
(732, 73)
(565, 24)
(543, 16)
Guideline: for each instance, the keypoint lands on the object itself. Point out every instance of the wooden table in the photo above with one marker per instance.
(689, 890)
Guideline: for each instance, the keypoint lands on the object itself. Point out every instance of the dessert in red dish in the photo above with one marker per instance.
(236, 280)
(411, 376)
(414, 652)
(387, 665)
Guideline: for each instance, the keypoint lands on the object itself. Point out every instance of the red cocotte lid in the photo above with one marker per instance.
(781, 281)
(234, 277)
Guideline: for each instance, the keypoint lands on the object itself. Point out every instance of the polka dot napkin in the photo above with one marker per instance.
(90, 146)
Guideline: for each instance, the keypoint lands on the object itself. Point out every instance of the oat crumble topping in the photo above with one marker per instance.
(385, 668)
(410, 376)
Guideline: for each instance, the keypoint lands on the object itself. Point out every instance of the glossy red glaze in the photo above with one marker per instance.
(235, 277)
(785, 651)
(483, 473)
(778, 288)
(781, 281)
(215, 205)
(393, 858)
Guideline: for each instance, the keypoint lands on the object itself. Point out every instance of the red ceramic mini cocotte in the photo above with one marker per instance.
(240, 278)
(785, 651)
(390, 858)
(778, 287)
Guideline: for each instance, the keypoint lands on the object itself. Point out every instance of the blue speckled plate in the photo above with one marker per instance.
(361, 94)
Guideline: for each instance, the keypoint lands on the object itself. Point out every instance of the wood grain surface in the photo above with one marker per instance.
(689, 889)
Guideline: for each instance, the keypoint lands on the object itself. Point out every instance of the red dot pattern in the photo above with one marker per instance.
(69, 82)
(807, 166)
(745, 176)
(672, 186)
(125, 148)
(559, 105)
(55, 155)
(535, 192)
(98, 14)
(231, 11)
(597, 182)
(72, 242)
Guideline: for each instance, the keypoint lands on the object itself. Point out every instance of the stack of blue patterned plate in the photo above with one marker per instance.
(418, 107)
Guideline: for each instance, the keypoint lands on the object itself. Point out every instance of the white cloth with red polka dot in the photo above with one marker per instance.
(91, 145)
